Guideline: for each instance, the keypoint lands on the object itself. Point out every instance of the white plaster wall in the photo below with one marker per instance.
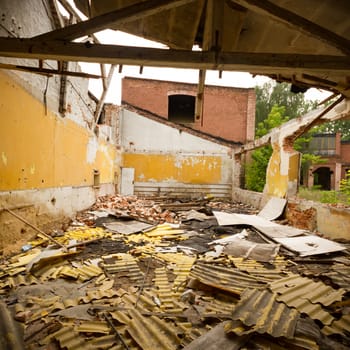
(55, 201)
(140, 134)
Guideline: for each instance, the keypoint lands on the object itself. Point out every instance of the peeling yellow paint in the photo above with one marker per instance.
(45, 150)
(276, 181)
(187, 169)
(32, 169)
(276, 184)
(294, 161)
(4, 158)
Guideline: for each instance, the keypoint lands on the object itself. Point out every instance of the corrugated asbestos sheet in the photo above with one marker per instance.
(340, 275)
(228, 279)
(338, 326)
(258, 311)
(315, 292)
(156, 297)
(152, 333)
(124, 265)
(307, 296)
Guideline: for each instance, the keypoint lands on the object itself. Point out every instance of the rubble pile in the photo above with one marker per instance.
(214, 276)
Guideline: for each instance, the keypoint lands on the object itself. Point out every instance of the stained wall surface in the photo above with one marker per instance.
(170, 160)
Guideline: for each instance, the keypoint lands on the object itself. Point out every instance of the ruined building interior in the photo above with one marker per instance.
(127, 227)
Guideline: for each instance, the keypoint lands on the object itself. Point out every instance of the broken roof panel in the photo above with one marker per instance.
(310, 245)
(224, 278)
(315, 292)
(307, 296)
(259, 312)
(126, 227)
(217, 338)
(273, 209)
(152, 333)
(270, 228)
(256, 251)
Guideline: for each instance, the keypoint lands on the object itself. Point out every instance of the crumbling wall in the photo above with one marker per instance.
(51, 164)
(169, 160)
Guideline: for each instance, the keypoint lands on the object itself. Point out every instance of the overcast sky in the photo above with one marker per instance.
(234, 79)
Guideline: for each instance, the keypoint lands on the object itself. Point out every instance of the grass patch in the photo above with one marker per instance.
(317, 195)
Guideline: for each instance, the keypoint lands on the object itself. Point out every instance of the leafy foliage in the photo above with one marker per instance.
(342, 126)
(345, 186)
(272, 94)
(256, 169)
(275, 104)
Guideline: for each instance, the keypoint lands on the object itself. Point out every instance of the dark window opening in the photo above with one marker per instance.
(181, 108)
(322, 178)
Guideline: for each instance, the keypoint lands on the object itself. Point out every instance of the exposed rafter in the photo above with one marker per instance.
(302, 24)
(104, 94)
(263, 63)
(117, 17)
(46, 71)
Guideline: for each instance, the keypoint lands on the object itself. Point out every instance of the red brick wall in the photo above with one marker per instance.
(228, 112)
(345, 152)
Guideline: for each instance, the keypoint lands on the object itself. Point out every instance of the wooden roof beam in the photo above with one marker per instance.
(259, 63)
(46, 71)
(120, 16)
(270, 9)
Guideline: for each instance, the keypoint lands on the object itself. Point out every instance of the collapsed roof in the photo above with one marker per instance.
(306, 43)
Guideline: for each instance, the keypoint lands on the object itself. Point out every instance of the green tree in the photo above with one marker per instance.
(275, 104)
(345, 186)
(342, 126)
(272, 93)
(256, 168)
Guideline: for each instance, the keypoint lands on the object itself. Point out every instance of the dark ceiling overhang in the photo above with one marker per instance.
(303, 42)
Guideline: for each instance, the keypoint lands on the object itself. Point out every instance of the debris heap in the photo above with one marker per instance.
(134, 273)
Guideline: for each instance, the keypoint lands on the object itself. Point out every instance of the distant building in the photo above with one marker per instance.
(337, 155)
(228, 113)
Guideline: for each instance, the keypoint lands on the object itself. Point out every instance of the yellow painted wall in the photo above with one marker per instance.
(184, 169)
(42, 151)
(277, 183)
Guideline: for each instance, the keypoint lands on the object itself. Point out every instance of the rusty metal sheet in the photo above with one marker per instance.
(259, 312)
(224, 278)
(273, 209)
(310, 245)
(152, 333)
